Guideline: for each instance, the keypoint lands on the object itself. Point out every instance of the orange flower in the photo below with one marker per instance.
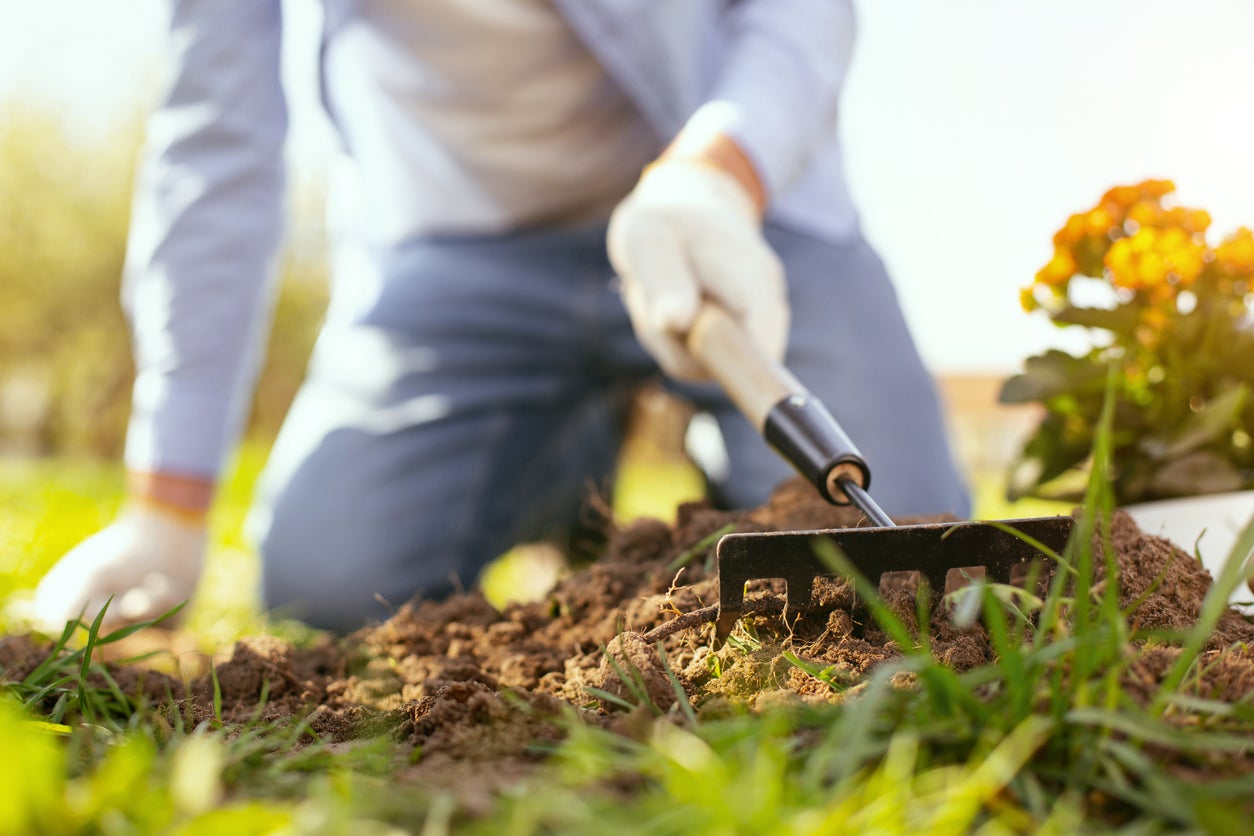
(1072, 233)
(1122, 196)
(1190, 220)
(1149, 330)
(1155, 189)
(1058, 271)
(1098, 221)
(1154, 318)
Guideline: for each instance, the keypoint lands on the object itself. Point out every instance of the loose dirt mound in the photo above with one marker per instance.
(467, 682)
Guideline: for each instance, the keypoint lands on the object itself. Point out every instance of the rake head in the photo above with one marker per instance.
(933, 550)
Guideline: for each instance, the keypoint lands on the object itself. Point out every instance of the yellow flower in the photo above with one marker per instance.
(1235, 254)
(1145, 213)
(1154, 260)
(1152, 269)
(1184, 254)
(1120, 262)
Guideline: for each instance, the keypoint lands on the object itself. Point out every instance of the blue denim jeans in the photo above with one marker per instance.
(481, 395)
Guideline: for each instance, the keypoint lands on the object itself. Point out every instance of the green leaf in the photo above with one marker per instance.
(1120, 320)
(1236, 356)
(1199, 472)
(1217, 418)
(1052, 450)
(1051, 374)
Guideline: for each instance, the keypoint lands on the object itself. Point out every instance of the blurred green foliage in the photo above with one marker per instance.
(65, 362)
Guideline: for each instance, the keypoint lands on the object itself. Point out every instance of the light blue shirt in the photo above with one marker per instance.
(209, 208)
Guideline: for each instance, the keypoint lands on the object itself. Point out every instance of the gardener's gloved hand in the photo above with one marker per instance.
(149, 559)
(692, 228)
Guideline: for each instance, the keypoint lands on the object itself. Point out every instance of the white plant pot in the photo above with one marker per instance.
(1210, 524)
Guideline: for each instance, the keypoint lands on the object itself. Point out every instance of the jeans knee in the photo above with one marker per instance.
(338, 569)
(323, 570)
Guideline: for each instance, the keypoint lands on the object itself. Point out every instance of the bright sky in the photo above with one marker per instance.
(973, 128)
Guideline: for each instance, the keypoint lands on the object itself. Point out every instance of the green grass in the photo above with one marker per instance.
(155, 774)
(1043, 740)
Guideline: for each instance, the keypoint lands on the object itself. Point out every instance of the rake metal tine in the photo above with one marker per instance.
(727, 618)
(999, 574)
(931, 549)
(936, 579)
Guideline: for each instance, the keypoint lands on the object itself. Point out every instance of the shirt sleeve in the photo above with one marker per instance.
(779, 86)
(205, 230)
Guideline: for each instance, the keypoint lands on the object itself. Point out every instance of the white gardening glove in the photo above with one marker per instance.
(148, 559)
(686, 231)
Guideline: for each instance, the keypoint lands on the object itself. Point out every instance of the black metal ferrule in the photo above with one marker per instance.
(804, 432)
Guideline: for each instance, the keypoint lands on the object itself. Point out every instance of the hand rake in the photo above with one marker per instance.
(805, 433)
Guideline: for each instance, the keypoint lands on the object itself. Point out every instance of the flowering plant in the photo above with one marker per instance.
(1168, 310)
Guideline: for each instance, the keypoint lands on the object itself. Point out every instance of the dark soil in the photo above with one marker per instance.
(471, 684)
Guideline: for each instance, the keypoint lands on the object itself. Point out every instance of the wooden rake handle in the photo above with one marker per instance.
(754, 382)
(788, 416)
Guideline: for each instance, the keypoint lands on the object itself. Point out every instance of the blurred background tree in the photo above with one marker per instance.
(65, 362)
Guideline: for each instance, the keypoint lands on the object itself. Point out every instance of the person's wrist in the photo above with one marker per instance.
(186, 499)
(722, 153)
